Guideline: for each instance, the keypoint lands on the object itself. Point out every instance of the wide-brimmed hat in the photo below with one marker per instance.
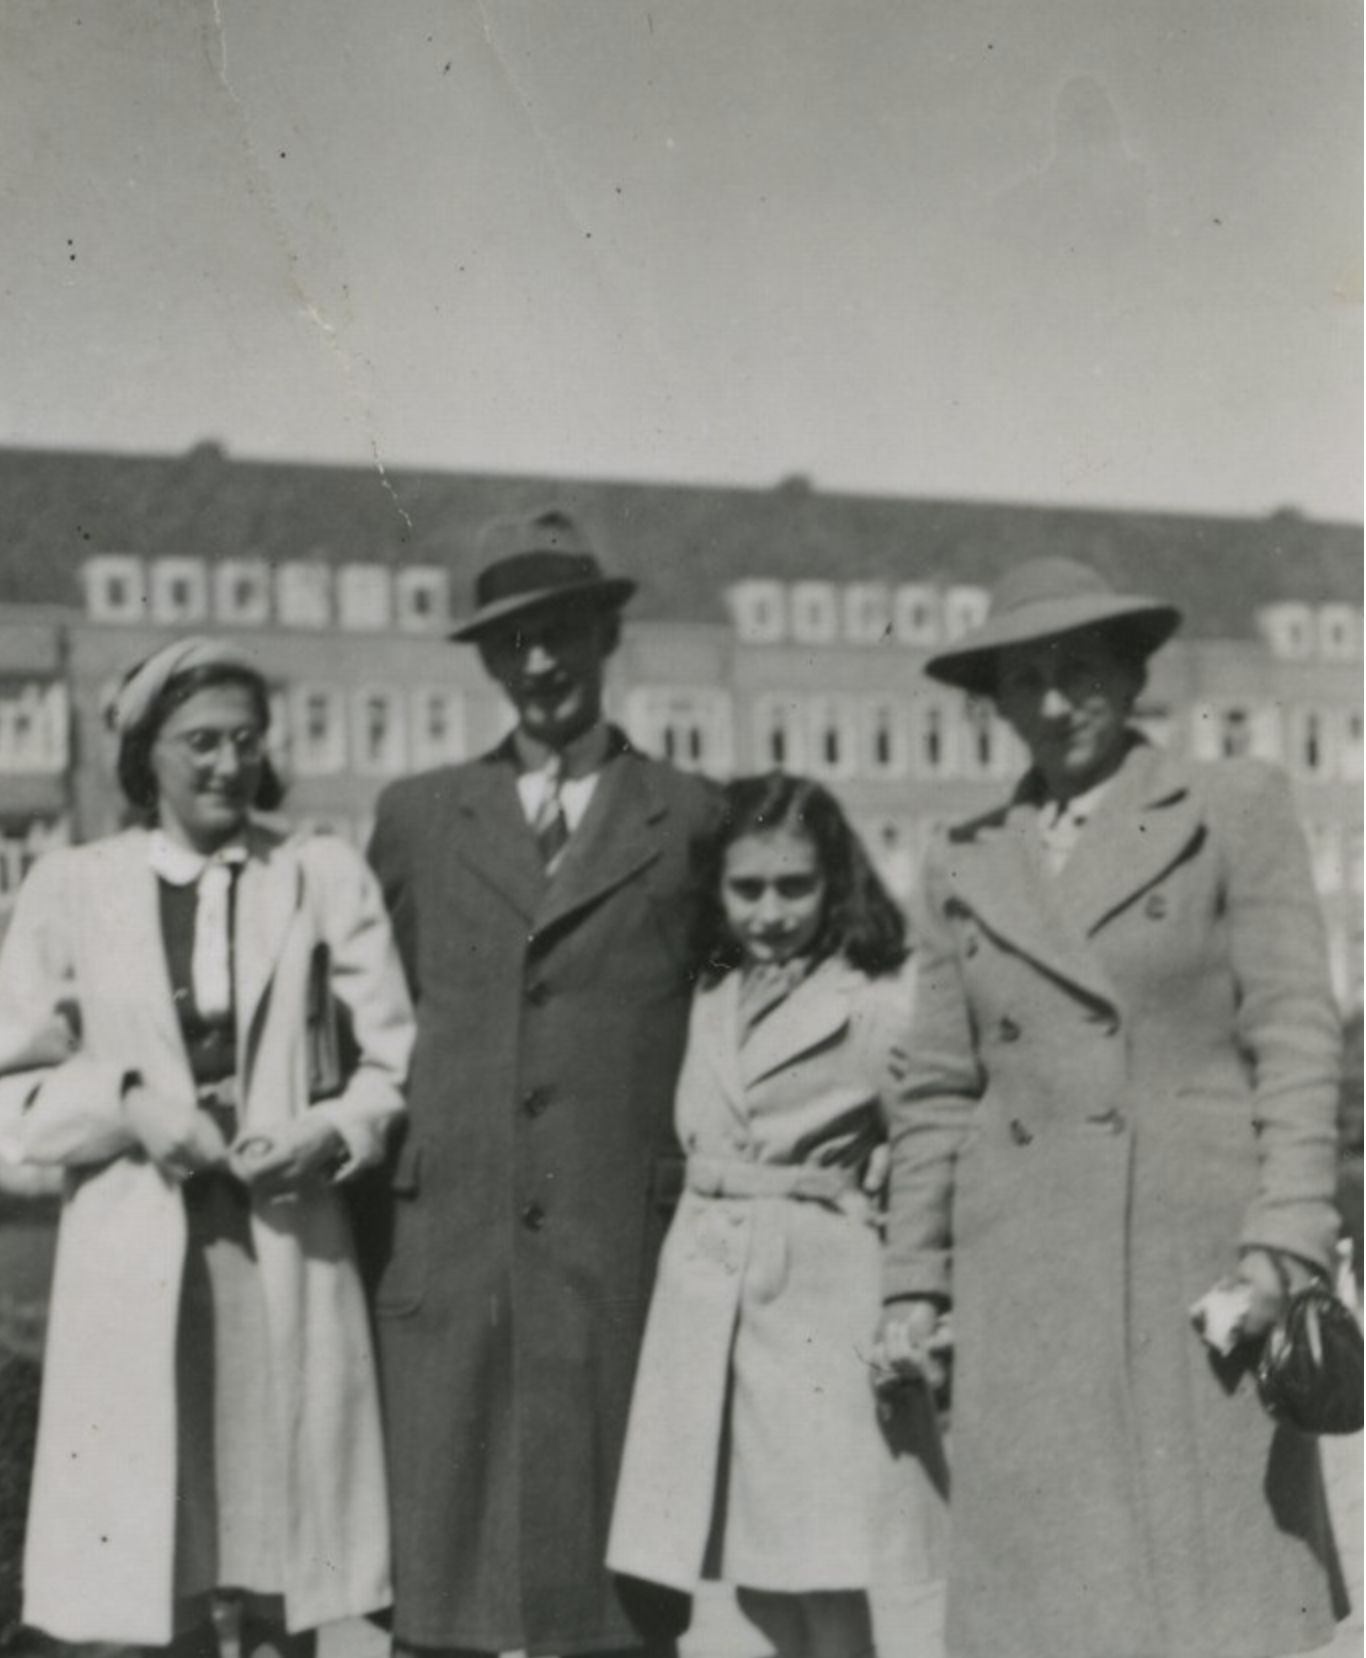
(534, 561)
(1041, 600)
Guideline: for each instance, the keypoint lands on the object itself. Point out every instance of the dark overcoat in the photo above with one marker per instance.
(1119, 1077)
(514, 1249)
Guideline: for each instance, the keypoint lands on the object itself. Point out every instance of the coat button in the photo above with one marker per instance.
(1156, 907)
(1019, 1133)
(533, 1217)
(1007, 1031)
(538, 993)
(535, 1100)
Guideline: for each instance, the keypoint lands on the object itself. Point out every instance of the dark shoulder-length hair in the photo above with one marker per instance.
(861, 922)
(134, 765)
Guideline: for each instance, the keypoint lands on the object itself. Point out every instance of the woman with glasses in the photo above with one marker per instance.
(209, 1418)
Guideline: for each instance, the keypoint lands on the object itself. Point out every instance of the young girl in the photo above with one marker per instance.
(754, 1451)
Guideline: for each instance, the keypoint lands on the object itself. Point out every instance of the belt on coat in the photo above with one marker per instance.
(726, 1177)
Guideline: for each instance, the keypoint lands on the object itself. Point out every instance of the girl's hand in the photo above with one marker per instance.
(179, 1138)
(291, 1159)
(912, 1340)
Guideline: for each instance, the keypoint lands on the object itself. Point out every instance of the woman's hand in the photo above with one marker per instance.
(1270, 1291)
(912, 1340)
(179, 1138)
(289, 1160)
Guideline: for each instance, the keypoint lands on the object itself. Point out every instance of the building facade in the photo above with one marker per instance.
(770, 665)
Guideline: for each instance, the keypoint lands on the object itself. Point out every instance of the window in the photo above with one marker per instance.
(1289, 629)
(1349, 745)
(364, 598)
(303, 594)
(379, 736)
(759, 611)
(422, 598)
(815, 612)
(832, 749)
(916, 614)
(931, 740)
(1339, 632)
(438, 726)
(317, 728)
(965, 608)
(884, 738)
(1311, 742)
(687, 724)
(34, 727)
(180, 590)
(1235, 733)
(779, 733)
(241, 591)
(979, 739)
(114, 588)
(867, 612)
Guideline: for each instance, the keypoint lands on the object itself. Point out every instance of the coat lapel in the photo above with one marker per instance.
(999, 876)
(269, 892)
(717, 1033)
(618, 837)
(1146, 823)
(816, 1011)
(494, 838)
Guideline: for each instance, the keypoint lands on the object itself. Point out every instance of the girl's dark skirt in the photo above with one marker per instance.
(230, 1498)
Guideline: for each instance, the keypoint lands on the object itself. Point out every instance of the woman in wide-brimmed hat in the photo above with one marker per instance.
(210, 1413)
(1121, 1093)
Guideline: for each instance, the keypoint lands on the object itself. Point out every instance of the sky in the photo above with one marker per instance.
(1070, 251)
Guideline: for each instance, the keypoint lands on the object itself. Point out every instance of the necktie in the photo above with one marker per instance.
(1061, 825)
(550, 826)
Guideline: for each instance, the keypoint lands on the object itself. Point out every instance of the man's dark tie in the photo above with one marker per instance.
(550, 826)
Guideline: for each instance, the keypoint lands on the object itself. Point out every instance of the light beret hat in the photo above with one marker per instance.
(137, 696)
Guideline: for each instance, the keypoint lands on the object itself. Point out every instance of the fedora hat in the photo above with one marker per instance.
(536, 560)
(1043, 599)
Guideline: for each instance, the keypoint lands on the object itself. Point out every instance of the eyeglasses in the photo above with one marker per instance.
(203, 746)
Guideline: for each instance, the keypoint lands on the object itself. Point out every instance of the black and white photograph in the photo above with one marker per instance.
(681, 816)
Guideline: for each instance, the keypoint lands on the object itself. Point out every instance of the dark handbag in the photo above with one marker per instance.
(332, 1050)
(1309, 1373)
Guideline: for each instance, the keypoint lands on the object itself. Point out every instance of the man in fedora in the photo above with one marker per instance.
(543, 901)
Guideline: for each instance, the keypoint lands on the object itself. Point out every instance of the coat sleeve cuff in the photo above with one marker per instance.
(928, 1275)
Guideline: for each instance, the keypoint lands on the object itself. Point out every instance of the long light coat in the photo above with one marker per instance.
(516, 1236)
(86, 931)
(1120, 1076)
(754, 1371)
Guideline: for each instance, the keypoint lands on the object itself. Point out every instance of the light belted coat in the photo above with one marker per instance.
(86, 931)
(515, 1238)
(754, 1373)
(1118, 1077)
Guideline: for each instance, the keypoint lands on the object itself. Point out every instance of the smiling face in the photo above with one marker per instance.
(207, 761)
(1068, 700)
(773, 894)
(551, 663)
